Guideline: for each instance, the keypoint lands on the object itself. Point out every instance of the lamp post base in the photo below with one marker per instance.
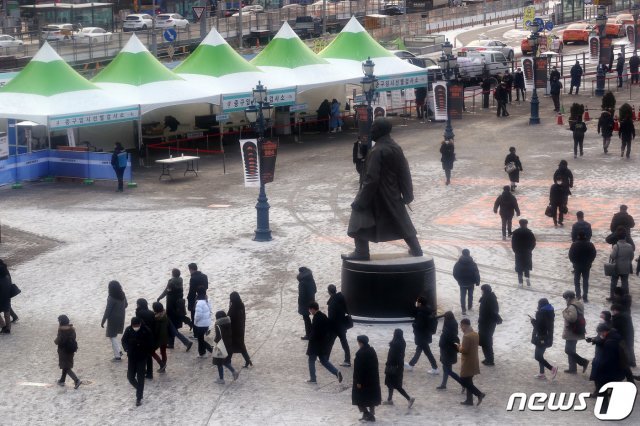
(262, 232)
(535, 108)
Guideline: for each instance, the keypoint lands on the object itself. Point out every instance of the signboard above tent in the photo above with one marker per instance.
(405, 81)
(240, 101)
(61, 122)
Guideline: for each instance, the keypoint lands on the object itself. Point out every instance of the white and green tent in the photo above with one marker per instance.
(48, 87)
(135, 74)
(289, 58)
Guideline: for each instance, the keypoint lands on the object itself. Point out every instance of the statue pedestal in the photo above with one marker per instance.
(385, 288)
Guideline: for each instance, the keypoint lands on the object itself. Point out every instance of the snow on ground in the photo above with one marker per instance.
(139, 236)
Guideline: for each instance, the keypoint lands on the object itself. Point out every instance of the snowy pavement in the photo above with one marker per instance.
(138, 237)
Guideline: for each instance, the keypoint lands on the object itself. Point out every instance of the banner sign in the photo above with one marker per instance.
(606, 51)
(251, 167)
(276, 97)
(455, 100)
(4, 146)
(540, 74)
(440, 101)
(594, 49)
(528, 16)
(268, 154)
(628, 30)
(405, 81)
(527, 71)
(298, 107)
(61, 122)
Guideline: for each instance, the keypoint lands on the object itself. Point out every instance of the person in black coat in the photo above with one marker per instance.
(581, 225)
(609, 364)
(563, 174)
(394, 368)
(466, 273)
(542, 336)
(366, 393)
(554, 75)
(622, 218)
(501, 96)
(5, 299)
(425, 325)
(523, 242)
(318, 347)
(634, 65)
(582, 254)
(514, 176)
(448, 348)
(626, 134)
(324, 114)
(621, 321)
(518, 84)
(620, 68)
(306, 294)
(448, 156)
(146, 315)
(605, 128)
(238, 318)
(508, 206)
(337, 313)
(488, 318)
(223, 328)
(579, 128)
(557, 203)
(176, 309)
(197, 280)
(137, 342)
(115, 163)
(486, 91)
(576, 77)
(507, 79)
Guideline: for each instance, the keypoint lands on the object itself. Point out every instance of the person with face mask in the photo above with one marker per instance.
(137, 341)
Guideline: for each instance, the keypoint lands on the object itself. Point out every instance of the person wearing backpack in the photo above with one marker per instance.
(579, 128)
(67, 347)
(119, 164)
(425, 325)
(574, 330)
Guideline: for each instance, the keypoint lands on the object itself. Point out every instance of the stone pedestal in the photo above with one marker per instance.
(385, 288)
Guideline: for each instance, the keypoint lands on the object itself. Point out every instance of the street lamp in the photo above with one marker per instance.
(258, 114)
(601, 21)
(368, 88)
(448, 63)
(635, 11)
(535, 103)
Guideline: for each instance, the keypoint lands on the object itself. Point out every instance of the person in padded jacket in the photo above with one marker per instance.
(223, 332)
(466, 273)
(542, 336)
(508, 206)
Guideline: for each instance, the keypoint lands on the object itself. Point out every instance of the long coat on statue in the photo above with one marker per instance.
(378, 211)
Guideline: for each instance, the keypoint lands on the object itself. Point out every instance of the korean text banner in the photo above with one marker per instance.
(276, 97)
(60, 122)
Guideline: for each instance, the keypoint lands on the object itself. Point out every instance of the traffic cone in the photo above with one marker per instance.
(616, 125)
(560, 123)
(586, 115)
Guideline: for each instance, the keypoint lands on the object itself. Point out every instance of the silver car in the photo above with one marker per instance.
(496, 45)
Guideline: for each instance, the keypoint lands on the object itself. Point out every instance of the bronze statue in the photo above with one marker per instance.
(378, 212)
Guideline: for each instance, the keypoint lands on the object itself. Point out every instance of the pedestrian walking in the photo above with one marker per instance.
(486, 91)
(627, 133)
(176, 310)
(542, 336)
(197, 280)
(488, 318)
(366, 393)
(223, 328)
(582, 254)
(425, 325)
(119, 164)
(336, 120)
(448, 348)
(137, 342)
(622, 256)
(579, 128)
(421, 96)
(508, 206)
(518, 84)
(318, 347)
(146, 315)
(513, 167)
(622, 321)
(564, 176)
(622, 299)
(466, 273)
(557, 203)
(622, 218)
(574, 330)
(360, 149)
(67, 347)
(581, 225)
(160, 335)
(609, 364)
(448, 156)
(113, 315)
(306, 294)
(576, 77)
(605, 128)
(502, 97)
(394, 368)
(523, 242)
(339, 321)
(507, 79)
(238, 317)
(620, 68)
(202, 321)
(5, 299)
(554, 89)
(634, 64)
(469, 364)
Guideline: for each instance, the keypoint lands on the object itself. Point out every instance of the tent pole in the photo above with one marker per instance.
(140, 135)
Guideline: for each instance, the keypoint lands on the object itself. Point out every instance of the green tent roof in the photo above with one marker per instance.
(354, 43)
(286, 50)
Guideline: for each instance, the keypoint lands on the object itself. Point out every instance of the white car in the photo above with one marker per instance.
(8, 41)
(496, 45)
(58, 32)
(251, 9)
(137, 21)
(171, 20)
(93, 35)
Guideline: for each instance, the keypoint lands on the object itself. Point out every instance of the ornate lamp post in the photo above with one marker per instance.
(258, 114)
(368, 88)
(601, 21)
(635, 11)
(449, 64)
(535, 103)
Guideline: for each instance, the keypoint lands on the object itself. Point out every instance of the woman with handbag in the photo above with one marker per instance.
(513, 167)
(542, 336)
(557, 203)
(394, 368)
(221, 355)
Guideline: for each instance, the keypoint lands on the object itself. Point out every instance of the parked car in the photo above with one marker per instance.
(8, 41)
(480, 45)
(556, 45)
(137, 21)
(626, 18)
(476, 65)
(229, 12)
(93, 35)
(252, 8)
(578, 33)
(434, 70)
(391, 10)
(171, 20)
(293, 9)
(614, 27)
(58, 32)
